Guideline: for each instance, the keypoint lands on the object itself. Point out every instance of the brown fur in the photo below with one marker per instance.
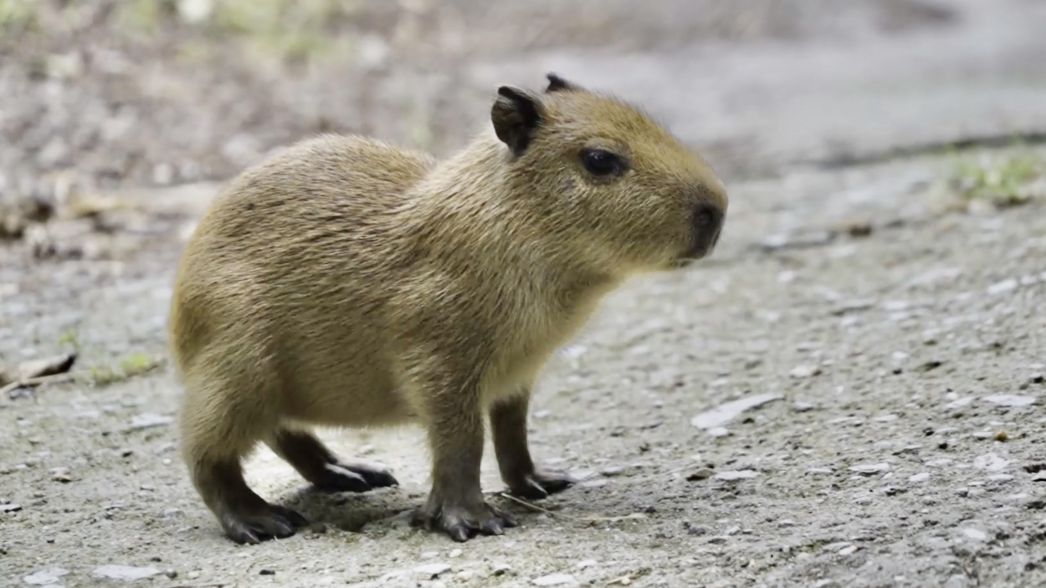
(346, 282)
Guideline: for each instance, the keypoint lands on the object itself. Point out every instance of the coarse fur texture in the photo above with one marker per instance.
(347, 282)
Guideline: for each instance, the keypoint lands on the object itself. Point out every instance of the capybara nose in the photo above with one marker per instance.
(707, 221)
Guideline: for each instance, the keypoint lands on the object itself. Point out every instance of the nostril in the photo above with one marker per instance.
(707, 222)
(707, 217)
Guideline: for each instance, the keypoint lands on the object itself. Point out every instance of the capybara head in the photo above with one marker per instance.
(599, 172)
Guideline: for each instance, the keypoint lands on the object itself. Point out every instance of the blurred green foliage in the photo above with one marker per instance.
(289, 29)
(1007, 180)
(295, 30)
(17, 14)
(130, 366)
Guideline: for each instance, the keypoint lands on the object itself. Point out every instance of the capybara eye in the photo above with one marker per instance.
(599, 162)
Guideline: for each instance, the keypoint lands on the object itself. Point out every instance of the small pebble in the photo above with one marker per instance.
(432, 570)
(61, 475)
(975, 534)
(148, 421)
(1002, 436)
(1003, 287)
(586, 563)
(870, 469)
(719, 416)
(990, 462)
(735, 475)
(699, 474)
(554, 580)
(908, 449)
(45, 577)
(804, 371)
(1011, 400)
(695, 530)
(125, 573)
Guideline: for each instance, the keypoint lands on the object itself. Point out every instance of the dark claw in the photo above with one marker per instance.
(493, 527)
(531, 490)
(355, 477)
(553, 483)
(246, 538)
(507, 520)
(338, 478)
(282, 528)
(292, 516)
(376, 476)
(460, 533)
(461, 524)
(540, 484)
(242, 535)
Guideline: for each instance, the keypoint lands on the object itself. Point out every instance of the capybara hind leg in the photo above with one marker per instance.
(219, 427)
(325, 470)
(245, 516)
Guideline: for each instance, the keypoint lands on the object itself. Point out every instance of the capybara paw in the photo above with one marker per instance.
(462, 523)
(270, 522)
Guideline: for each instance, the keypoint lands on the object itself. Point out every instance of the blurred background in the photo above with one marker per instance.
(157, 92)
(882, 264)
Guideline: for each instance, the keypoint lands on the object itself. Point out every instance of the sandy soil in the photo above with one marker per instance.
(899, 330)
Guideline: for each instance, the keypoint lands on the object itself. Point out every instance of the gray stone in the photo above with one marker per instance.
(554, 580)
(724, 413)
(45, 577)
(125, 573)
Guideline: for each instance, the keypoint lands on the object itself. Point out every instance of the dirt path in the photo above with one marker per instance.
(905, 340)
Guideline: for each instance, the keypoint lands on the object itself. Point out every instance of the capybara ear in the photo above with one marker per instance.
(558, 84)
(516, 115)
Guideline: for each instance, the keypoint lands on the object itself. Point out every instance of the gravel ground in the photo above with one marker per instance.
(890, 333)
